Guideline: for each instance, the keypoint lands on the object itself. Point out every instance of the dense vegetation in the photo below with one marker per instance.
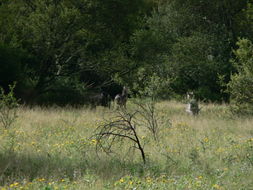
(61, 51)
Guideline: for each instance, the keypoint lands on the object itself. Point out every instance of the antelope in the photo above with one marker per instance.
(192, 106)
(121, 99)
(100, 99)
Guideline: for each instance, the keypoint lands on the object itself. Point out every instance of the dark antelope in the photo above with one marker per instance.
(100, 99)
(121, 99)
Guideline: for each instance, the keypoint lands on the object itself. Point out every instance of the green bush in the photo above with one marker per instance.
(8, 107)
(240, 86)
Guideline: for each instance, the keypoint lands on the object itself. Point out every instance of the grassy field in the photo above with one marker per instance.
(51, 148)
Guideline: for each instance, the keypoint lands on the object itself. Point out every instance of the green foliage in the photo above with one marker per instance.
(240, 86)
(153, 86)
(196, 66)
(11, 65)
(8, 107)
(66, 91)
(81, 39)
(245, 22)
(184, 44)
(187, 43)
(158, 87)
(176, 47)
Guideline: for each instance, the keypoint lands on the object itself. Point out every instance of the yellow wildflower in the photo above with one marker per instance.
(148, 180)
(198, 183)
(41, 179)
(121, 180)
(14, 185)
(94, 141)
(216, 186)
(200, 177)
(220, 150)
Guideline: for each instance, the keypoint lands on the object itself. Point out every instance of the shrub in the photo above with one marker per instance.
(240, 86)
(126, 126)
(8, 107)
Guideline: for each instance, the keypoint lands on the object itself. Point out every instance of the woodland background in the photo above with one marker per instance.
(63, 51)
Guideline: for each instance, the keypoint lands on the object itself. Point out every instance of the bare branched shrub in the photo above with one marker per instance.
(123, 127)
(148, 117)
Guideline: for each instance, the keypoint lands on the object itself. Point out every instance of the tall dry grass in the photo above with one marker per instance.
(51, 148)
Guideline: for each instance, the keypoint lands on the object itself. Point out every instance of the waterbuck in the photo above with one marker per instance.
(192, 106)
(121, 99)
(100, 99)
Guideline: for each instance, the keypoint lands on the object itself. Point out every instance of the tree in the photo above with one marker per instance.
(240, 86)
(104, 43)
(70, 39)
(12, 66)
(183, 49)
(196, 66)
